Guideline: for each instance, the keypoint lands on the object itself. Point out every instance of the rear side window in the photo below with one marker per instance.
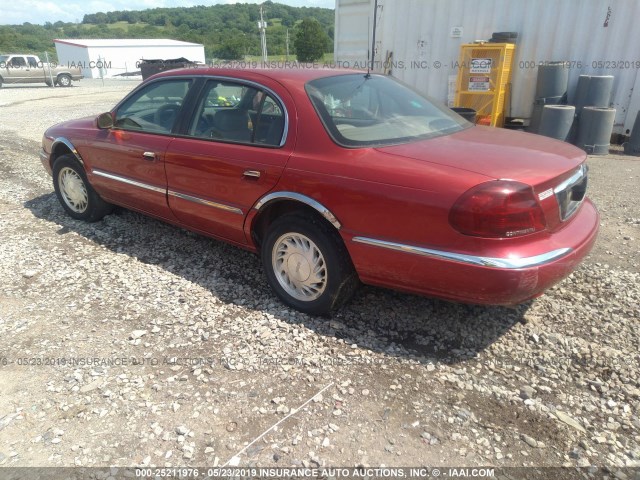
(154, 108)
(374, 110)
(235, 112)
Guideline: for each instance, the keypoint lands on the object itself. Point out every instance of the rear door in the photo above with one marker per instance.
(231, 154)
(34, 72)
(128, 160)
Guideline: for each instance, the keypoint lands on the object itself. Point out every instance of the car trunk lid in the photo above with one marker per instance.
(554, 169)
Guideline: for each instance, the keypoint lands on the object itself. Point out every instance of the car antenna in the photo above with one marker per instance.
(373, 40)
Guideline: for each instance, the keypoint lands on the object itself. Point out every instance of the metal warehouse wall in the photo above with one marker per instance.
(121, 59)
(71, 54)
(597, 37)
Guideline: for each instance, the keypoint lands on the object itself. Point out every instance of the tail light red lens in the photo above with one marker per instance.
(498, 209)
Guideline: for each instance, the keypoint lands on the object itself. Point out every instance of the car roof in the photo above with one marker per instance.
(299, 75)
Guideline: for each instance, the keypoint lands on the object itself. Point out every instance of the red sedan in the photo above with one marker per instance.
(335, 177)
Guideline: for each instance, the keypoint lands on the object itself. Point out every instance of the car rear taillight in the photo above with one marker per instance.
(498, 209)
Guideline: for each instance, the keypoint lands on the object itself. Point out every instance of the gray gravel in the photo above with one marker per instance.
(131, 342)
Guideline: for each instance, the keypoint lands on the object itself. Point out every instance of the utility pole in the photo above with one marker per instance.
(287, 44)
(262, 26)
(46, 56)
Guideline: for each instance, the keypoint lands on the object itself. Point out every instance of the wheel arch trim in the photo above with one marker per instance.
(298, 197)
(67, 143)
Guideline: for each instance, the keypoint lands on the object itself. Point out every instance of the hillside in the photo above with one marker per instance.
(226, 31)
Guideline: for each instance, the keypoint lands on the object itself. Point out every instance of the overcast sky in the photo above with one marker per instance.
(41, 11)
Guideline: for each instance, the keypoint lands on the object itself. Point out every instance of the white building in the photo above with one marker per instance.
(423, 38)
(110, 57)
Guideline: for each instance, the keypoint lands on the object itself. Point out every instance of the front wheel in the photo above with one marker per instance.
(74, 192)
(307, 265)
(64, 80)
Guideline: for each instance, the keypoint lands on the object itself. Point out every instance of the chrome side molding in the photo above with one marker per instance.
(507, 263)
(129, 181)
(202, 201)
(165, 191)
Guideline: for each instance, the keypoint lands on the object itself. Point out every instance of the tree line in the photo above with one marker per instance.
(226, 31)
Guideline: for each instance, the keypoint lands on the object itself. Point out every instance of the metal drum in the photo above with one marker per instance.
(552, 82)
(594, 130)
(556, 121)
(593, 91)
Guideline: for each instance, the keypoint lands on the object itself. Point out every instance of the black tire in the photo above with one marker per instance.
(64, 80)
(75, 193)
(1, 80)
(325, 248)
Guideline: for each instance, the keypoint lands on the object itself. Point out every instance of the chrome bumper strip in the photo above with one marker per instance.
(128, 181)
(507, 263)
(565, 192)
(208, 203)
(579, 173)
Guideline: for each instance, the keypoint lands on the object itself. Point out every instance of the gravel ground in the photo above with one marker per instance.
(130, 342)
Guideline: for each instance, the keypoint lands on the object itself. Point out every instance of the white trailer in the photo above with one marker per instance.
(106, 58)
(422, 39)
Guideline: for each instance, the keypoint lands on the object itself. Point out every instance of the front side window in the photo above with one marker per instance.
(33, 63)
(154, 108)
(235, 112)
(17, 62)
(373, 110)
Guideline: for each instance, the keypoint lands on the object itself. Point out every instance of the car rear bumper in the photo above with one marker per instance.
(476, 279)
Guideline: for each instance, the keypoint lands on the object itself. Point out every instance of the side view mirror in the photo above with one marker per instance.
(105, 121)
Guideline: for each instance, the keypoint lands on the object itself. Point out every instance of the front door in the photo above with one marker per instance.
(127, 164)
(16, 70)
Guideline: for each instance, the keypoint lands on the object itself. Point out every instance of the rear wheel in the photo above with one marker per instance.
(307, 265)
(74, 192)
(64, 80)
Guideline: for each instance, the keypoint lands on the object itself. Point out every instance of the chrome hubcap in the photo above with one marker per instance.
(299, 266)
(73, 190)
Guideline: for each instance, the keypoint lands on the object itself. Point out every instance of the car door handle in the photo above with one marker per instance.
(252, 173)
(149, 155)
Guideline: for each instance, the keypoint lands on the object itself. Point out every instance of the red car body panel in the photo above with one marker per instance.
(216, 175)
(400, 194)
(473, 283)
(528, 158)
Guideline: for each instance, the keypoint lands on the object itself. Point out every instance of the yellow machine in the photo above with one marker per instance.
(484, 78)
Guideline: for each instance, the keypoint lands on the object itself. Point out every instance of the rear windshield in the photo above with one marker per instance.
(359, 110)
